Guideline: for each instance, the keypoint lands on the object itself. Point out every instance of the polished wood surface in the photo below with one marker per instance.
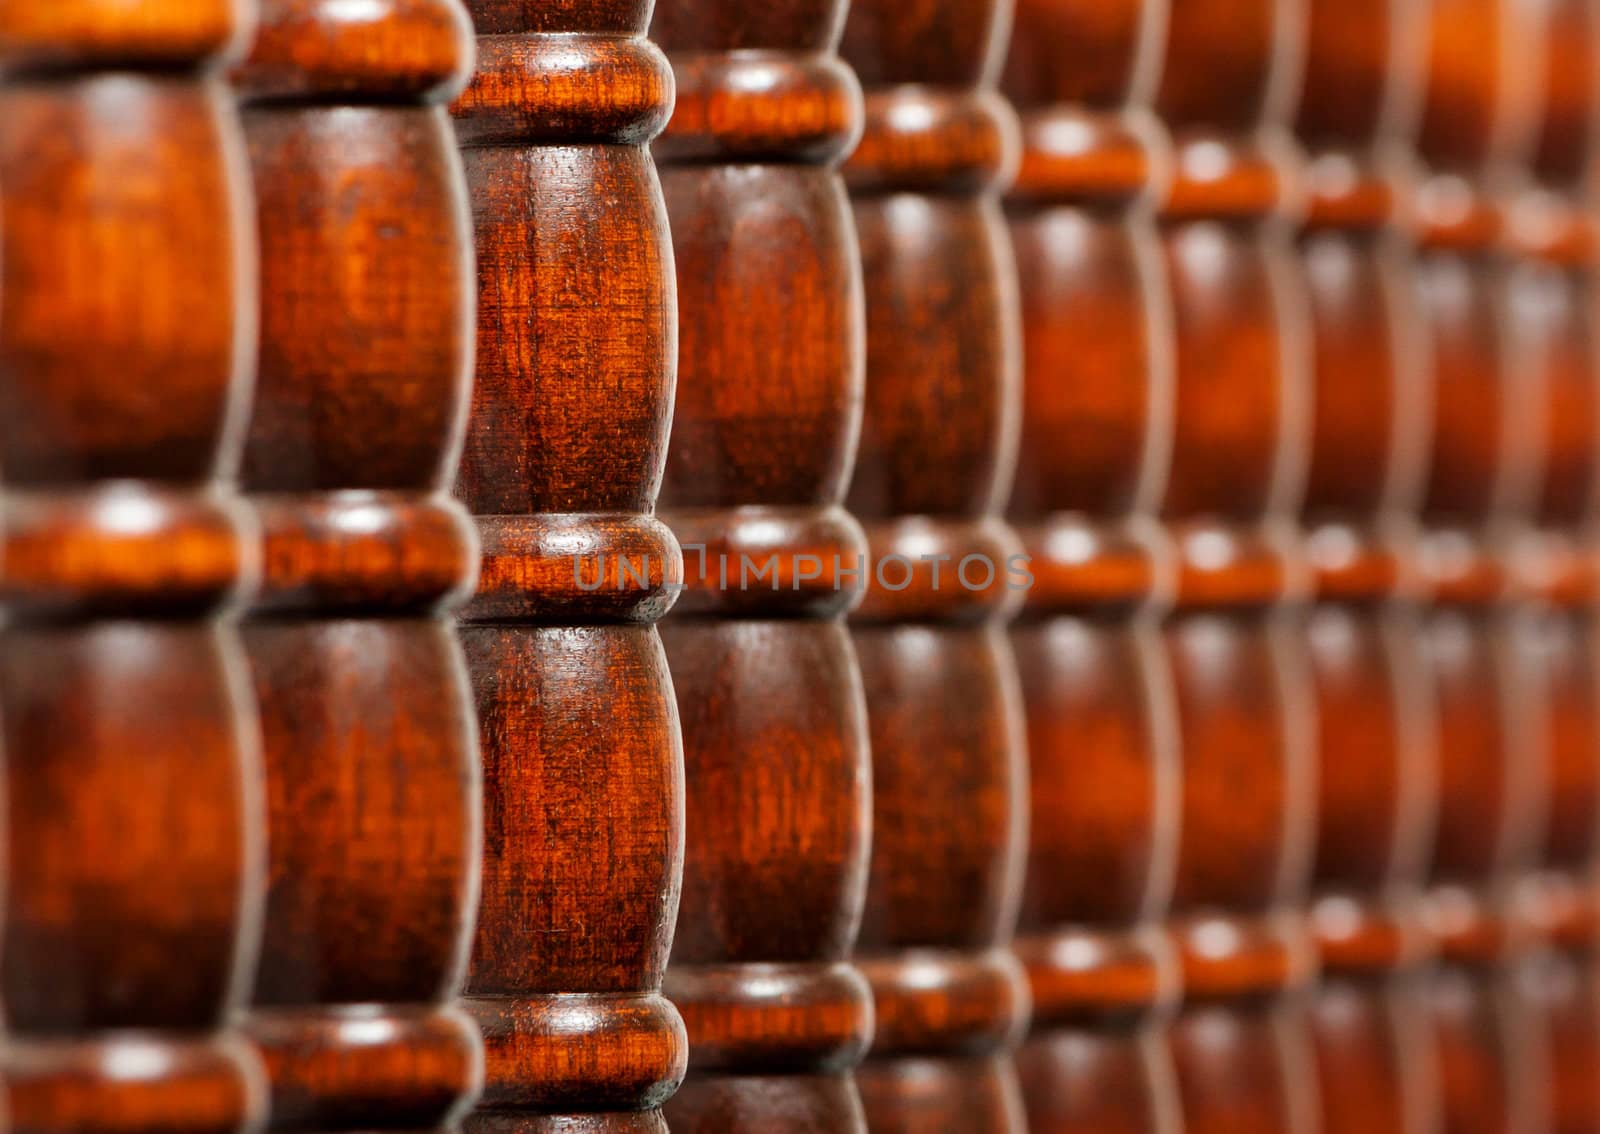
(1240, 678)
(369, 744)
(1097, 421)
(582, 759)
(768, 415)
(1375, 756)
(944, 707)
(1126, 572)
(1555, 369)
(134, 811)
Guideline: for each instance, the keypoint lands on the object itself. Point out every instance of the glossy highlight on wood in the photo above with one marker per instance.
(582, 758)
(764, 436)
(944, 706)
(1097, 421)
(133, 815)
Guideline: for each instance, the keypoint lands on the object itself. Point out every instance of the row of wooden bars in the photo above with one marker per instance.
(1117, 651)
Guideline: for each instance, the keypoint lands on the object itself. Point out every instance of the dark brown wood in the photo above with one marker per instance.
(938, 450)
(768, 413)
(1241, 687)
(1555, 369)
(133, 811)
(1375, 756)
(370, 748)
(1474, 120)
(1096, 431)
(583, 774)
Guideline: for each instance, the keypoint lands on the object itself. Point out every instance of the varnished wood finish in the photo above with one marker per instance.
(583, 775)
(133, 812)
(938, 446)
(1288, 333)
(1556, 372)
(1473, 123)
(1243, 703)
(1096, 431)
(768, 413)
(370, 749)
(1374, 749)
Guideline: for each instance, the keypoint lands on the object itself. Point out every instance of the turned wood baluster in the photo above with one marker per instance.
(1096, 430)
(1375, 760)
(133, 812)
(938, 447)
(583, 774)
(1488, 1067)
(769, 404)
(1556, 370)
(369, 743)
(1244, 709)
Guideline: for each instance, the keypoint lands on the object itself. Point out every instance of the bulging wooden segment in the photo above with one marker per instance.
(1555, 369)
(134, 827)
(1375, 756)
(938, 449)
(764, 437)
(583, 773)
(370, 746)
(1096, 429)
(1474, 128)
(1239, 671)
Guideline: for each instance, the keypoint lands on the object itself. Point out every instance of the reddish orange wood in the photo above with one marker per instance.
(1239, 676)
(938, 448)
(583, 799)
(768, 411)
(1096, 431)
(1375, 756)
(1556, 370)
(133, 812)
(370, 748)
(1474, 116)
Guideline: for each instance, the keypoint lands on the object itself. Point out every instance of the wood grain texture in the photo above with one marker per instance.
(370, 747)
(1475, 118)
(1098, 414)
(1376, 770)
(134, 829)
(583, 773)
(767, 421)
(1239, 671)
(938, 449)
(1555, 369)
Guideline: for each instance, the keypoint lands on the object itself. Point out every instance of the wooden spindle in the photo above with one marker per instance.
(938, 446)
(1096, 431)
(133, 812)
(370, 747)
(583, 774)
(769, 406)
(1375, 757)
(1472, 119)
(1240, 685)
(1555, 369)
